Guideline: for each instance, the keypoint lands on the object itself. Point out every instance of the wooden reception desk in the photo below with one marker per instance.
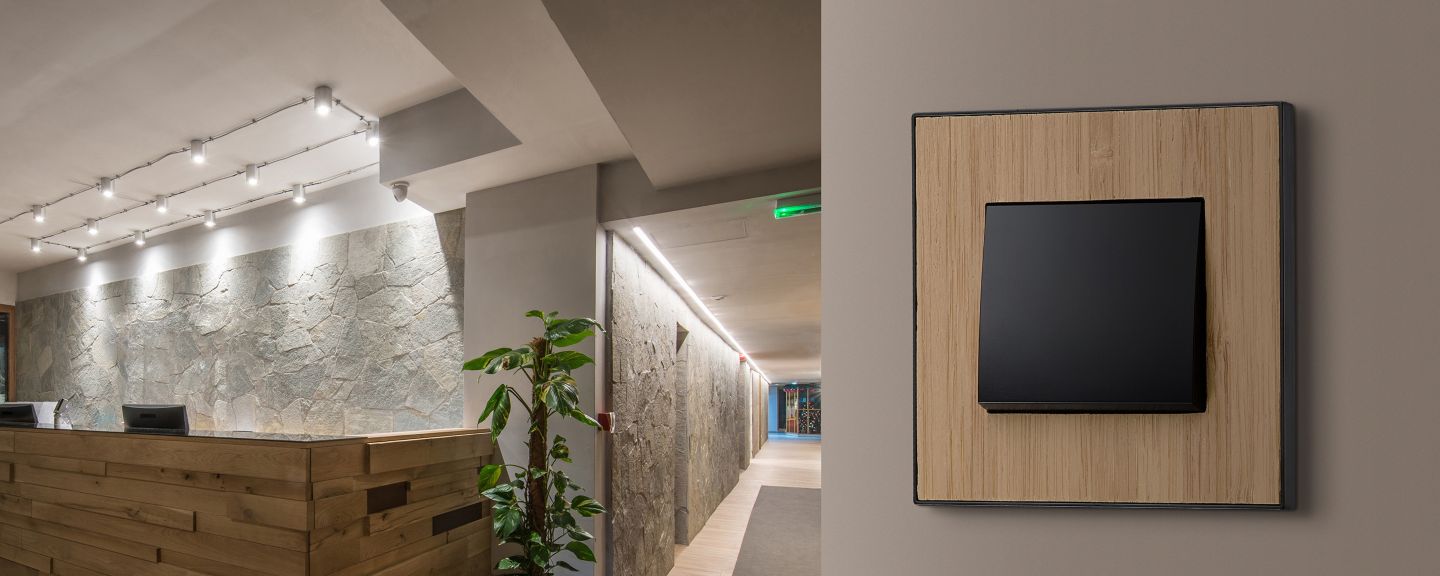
(86, 502)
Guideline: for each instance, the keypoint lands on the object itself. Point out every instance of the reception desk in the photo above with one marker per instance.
(88, 502)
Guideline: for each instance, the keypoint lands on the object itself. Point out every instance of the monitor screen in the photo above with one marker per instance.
(1093, 307)
(169, 417)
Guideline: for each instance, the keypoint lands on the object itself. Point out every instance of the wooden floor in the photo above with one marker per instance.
(784, 461)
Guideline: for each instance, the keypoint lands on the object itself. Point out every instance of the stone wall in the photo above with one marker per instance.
(645, 314)
(355, 333)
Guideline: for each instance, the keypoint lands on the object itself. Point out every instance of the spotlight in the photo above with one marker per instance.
(162, 204)
(139, 237)
(372, 133)
(38, 211)
(252, 174)
(107, 187)
(92, 226)
(35, 245)
(82, 254)
(197, 151)
(209, 218)
(298, 193)
(401, 190)
(324, 100)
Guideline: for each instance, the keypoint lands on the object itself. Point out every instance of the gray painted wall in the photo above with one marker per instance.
(7, 287)
(650, 406)
(534, 244)
(438, 132)
(1362, 77)
(355, 333)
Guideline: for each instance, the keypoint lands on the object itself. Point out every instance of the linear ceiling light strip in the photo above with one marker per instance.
(142, 204)
(246, 124)
(699, 305)
(213, 213)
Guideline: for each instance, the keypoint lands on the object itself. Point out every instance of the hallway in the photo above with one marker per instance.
(784, 461)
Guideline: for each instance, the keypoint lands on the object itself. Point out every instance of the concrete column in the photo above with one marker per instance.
(535, 245)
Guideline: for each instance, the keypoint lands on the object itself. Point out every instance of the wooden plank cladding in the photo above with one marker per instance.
(112, 504)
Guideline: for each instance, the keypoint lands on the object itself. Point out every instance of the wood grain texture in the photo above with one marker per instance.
(89, 504)
(1231, 453)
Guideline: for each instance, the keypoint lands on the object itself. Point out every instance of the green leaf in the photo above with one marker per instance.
(494, 402)
(508, 564)
(568, 360)
(507, 520)
(535, 314)
(485, 360)
(578, 534)
(581, 551)
(558, 330)
(571, 340)
(584, 418)
(560, 452)
(502, 494)
(489, 476)
(587, 506)
(502, 412)
(566, 565)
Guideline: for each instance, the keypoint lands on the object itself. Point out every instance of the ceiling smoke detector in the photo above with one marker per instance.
(401, 190)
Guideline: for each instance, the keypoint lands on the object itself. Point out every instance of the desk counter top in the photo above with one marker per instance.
(107, 501)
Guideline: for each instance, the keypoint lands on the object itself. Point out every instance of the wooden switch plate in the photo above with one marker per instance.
(1240, 452)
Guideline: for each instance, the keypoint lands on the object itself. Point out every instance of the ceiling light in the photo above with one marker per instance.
(35, 245)
(401, 191)
(372, 133)
(162, 204)
(210, 218)
(139, 237)
(324, 100)
(298, 193)
(38, 211)
(197, 151)
(107, 187)
(680, 280)
(92, 226)
(82, 254)
(252, 174)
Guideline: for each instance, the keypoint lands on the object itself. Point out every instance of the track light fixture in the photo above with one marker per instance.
(209, 218)
(82, 254)
(38, 212)
(35, 245)
(401, 190)
(324, 100)
(139, 237)
(162, 204)
(252, 175)
(297, 193)
(372, 133)
(92, 226)
(197, 151)
(107, 187)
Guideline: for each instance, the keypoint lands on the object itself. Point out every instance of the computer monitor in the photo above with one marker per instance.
(158, 417)
(16, 413)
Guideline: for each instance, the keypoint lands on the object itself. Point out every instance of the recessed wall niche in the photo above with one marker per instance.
(1237, 162)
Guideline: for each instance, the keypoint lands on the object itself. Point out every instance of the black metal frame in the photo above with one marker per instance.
(1288, 312)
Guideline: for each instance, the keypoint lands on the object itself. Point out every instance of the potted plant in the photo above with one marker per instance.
(535, 509)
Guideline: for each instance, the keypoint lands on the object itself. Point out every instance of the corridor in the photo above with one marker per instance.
(785, 461)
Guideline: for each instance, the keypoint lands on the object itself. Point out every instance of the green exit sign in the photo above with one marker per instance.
(798, 205)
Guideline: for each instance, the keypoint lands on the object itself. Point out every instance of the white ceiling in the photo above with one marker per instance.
(692, 89)
(93, 88)
(764, 272)
(703, 88)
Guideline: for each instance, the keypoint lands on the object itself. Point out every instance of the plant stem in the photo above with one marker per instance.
(537, 497)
